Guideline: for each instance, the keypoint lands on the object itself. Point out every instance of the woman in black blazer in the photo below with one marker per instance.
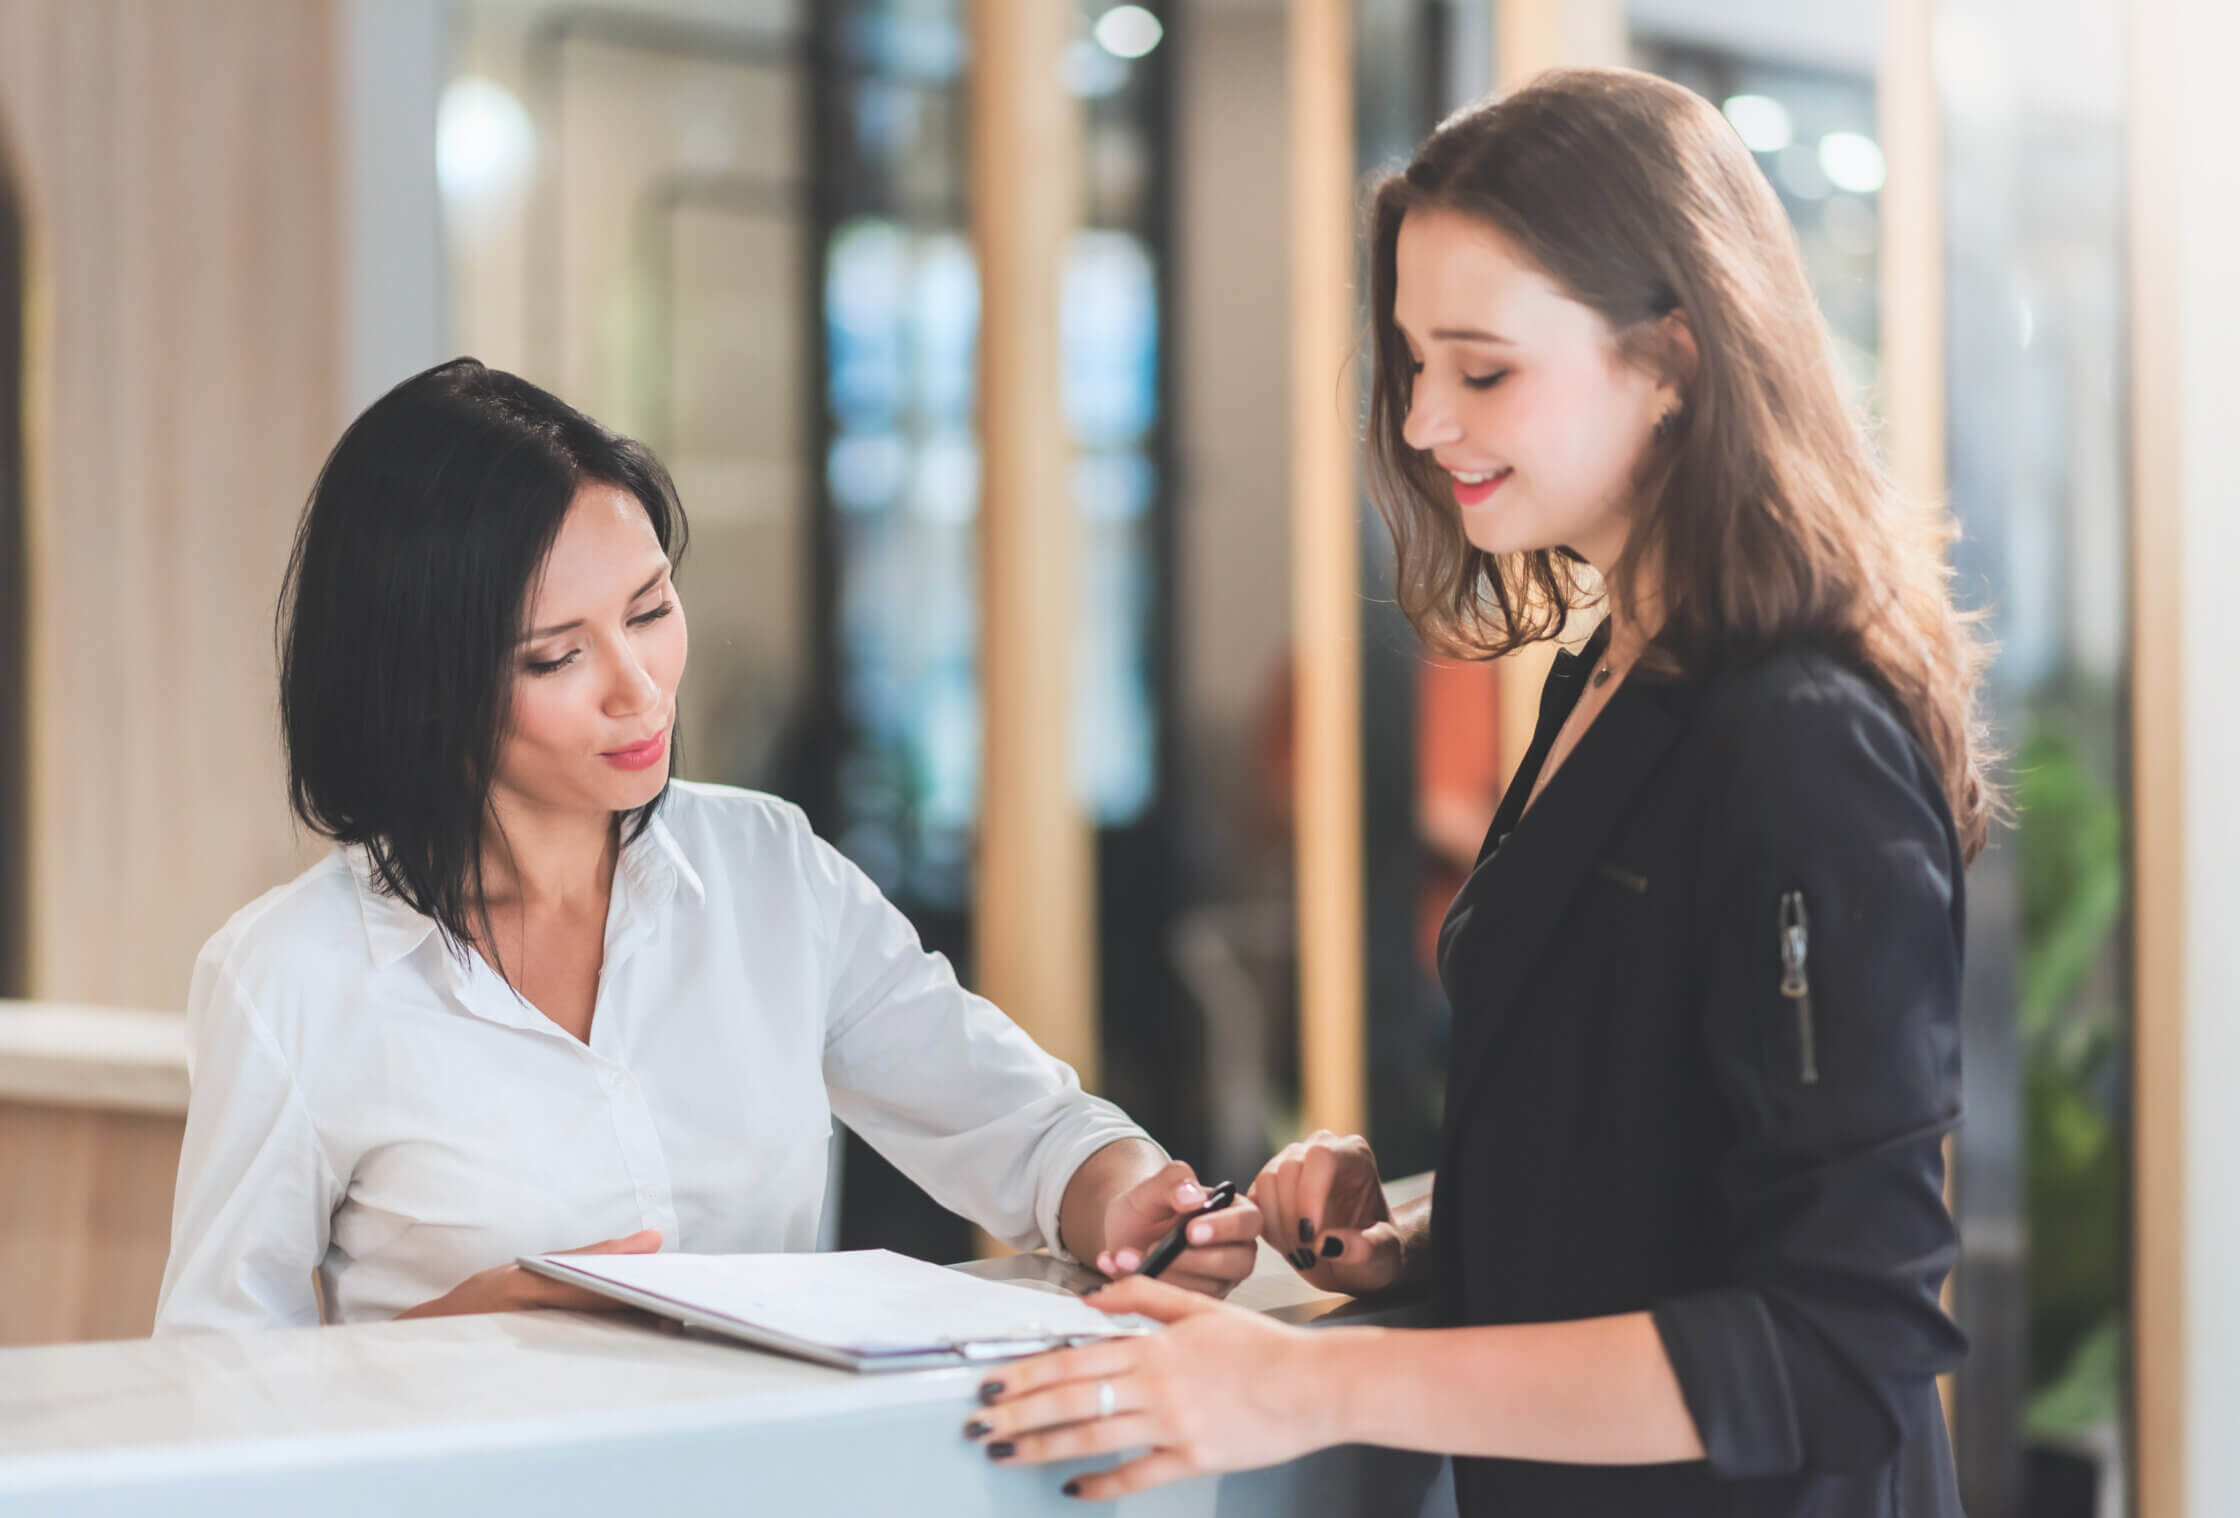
(1689, 1225)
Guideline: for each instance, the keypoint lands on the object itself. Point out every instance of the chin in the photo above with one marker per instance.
(1502, 544)
(635, 790)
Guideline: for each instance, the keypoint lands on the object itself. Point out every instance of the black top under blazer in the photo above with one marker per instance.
(1706, 1052)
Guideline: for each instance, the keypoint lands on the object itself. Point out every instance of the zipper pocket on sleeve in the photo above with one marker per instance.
(1796, 984)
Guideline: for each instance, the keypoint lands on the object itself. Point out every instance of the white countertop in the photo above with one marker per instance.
(496, 1408)
(54, 1054)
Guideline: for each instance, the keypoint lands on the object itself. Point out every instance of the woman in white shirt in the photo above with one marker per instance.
(542, 995)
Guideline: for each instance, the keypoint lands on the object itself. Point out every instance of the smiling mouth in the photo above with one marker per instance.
(1463, 477)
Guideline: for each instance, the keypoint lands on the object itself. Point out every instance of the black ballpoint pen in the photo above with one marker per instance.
(1168, 1249)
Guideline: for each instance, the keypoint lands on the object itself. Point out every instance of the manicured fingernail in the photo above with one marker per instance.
(1072, 1488)
(1303, 1258)
(979, 1428)
(1002, 1449)
(1189, 1194)
(1200, 1232)
(1127, 1259)
(1332, 1247)
(989, 1391)
(1306, 1231)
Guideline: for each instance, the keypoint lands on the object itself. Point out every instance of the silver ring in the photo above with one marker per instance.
(1107, 1403)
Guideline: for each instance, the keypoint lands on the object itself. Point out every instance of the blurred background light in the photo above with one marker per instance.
(1090, 72)
(1761, 121)
(1852, 162)
(486, 145)
(1128, 31)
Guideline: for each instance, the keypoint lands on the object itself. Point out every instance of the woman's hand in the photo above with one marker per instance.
(509, 1288)
(1222, 1389)
(1322, 1204)
(1221, 1247)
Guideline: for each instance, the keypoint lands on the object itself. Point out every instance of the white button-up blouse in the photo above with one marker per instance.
(367, 1105)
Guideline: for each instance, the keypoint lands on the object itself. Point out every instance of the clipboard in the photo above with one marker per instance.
(862, 1310)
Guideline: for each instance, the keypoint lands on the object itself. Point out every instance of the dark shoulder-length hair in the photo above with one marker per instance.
(402, 613)
(1766, 517)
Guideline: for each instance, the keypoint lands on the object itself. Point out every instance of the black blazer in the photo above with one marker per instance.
(1706, 1052)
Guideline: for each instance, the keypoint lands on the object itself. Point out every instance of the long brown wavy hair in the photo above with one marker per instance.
(1765, 516)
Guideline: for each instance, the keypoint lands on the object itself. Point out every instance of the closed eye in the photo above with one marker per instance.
(1485, 381)
(655, 615)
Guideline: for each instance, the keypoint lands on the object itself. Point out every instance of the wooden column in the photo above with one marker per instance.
(178, 167)
(1326, 569)
(2159, 807)
(1913, 344)
(1912, 255)
(1036, 908)
(1530, 36)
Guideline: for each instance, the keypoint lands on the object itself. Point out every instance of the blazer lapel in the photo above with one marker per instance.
(1535, 862)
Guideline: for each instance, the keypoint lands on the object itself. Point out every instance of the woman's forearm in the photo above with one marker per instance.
(1599, 1391)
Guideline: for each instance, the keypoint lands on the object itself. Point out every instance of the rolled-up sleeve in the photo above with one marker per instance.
(938, 1080)
(255, 1201)
(1838, 1098)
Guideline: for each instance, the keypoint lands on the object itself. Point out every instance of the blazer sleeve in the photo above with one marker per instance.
(937, 1079)
(1838, 1093)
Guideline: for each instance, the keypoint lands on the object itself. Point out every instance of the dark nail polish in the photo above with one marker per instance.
(989, 1391)
(1303, 1258)
(979, 1428)
(1072, 1488)
(1332, 1247)
(1002, 1449)
(1306, 1231)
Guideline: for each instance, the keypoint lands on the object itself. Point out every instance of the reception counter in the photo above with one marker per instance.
(93, 1104)
(550, 1413)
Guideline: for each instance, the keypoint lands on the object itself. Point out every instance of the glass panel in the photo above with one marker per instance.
(2037, 329)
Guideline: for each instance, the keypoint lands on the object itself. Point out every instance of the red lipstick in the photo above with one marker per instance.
(640, 756)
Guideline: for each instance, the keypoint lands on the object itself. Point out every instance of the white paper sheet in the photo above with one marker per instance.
(868, 1302)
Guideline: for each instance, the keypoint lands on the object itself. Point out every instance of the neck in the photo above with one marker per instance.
(542, 857)
(1631, 628)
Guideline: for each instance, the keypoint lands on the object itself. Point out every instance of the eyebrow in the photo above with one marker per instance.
(560, 627)
(1470, 335)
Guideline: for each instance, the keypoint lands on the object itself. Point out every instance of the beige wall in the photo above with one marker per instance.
(179, 163)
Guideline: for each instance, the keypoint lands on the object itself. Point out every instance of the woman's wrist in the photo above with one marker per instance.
(1107, 1174)
(1336, 1379)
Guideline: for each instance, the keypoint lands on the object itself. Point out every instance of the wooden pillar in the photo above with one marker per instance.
(178, 169)
(1326, 569)
(1036, 908)
(2159, 809)
(1913, 339)
(1530, 36)
(1912, 255)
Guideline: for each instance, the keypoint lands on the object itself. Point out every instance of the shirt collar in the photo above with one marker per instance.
(652, 866)
(393, 928)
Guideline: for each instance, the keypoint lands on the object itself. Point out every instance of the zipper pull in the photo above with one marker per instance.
(1794, 985)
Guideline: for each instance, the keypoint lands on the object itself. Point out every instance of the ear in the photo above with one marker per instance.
(1674, 347)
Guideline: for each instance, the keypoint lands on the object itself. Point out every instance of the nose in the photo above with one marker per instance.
(1430, 420)
(631, 690)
